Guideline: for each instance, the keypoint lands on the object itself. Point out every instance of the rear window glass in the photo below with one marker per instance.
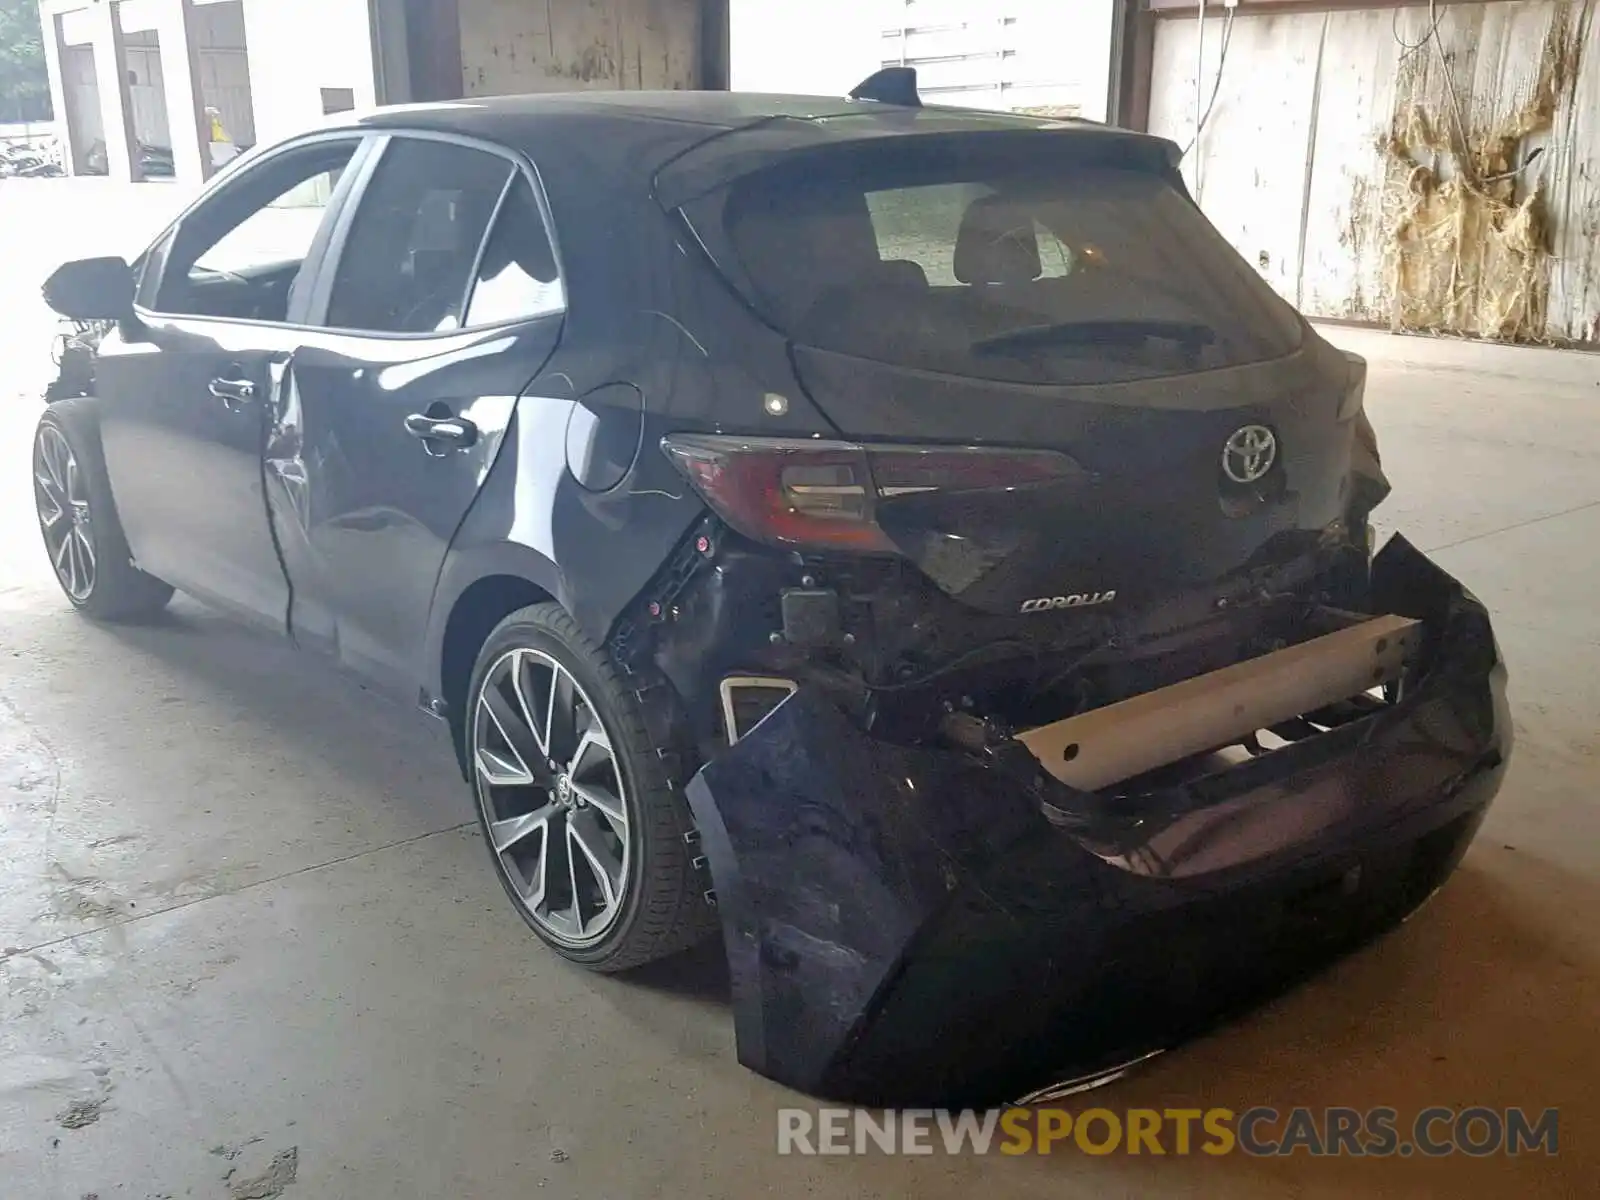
(1025, 269)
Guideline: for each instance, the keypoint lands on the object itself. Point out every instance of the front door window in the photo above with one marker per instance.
(240, 253)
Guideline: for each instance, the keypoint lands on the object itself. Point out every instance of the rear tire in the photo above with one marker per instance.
(587, 832)
(78, 519)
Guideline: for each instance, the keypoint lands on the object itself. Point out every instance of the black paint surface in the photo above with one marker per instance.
(905, 926)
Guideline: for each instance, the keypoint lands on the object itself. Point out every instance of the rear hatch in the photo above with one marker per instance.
(1044, 288)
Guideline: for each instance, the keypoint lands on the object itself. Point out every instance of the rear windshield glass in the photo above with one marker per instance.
(1019, 267)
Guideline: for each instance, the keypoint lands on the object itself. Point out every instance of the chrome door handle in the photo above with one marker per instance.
(458, 431)
(233, 392)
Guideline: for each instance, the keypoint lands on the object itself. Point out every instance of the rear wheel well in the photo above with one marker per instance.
(476, 613)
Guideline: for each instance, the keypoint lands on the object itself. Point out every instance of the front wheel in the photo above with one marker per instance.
(587, 833)
(78, 519)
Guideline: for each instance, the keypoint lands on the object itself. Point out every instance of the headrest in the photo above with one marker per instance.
(997, 243)
(816, 241)
(898, 273)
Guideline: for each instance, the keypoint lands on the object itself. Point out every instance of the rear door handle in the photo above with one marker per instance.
(458, 431)
(233, 392)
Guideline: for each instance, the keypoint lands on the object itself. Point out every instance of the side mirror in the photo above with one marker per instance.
(92, 289)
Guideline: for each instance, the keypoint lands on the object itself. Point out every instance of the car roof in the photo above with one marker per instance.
(682, 144)
(516, 120)
(502, 116)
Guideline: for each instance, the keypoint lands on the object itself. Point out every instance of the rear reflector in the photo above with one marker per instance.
(823, 494)
(747, 700)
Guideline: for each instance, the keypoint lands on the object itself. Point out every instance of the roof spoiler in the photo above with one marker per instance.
(892, 85)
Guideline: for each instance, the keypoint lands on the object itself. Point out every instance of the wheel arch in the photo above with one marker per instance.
(119, 590)
(87, 408)
(477, 590)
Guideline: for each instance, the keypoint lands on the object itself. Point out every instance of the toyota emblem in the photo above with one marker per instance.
(1249, 454)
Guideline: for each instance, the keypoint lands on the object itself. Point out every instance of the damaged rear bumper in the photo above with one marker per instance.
(916, 926)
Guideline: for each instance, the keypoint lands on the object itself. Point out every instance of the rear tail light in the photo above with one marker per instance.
(813, 493)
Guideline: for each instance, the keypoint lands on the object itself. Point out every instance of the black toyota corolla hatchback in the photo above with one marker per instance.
(911, 538)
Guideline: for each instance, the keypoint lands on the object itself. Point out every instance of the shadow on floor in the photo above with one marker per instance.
(697, 974)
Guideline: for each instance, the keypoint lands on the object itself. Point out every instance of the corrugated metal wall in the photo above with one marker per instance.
(224, 75)
(1030, 55)
(514, 46)
(224, 65)
(224, 54)
(147, 90)
(1050, 55)
(225, 86)
(82, 90)
(1374, 171)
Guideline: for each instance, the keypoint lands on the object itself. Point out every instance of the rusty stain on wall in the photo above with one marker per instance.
(1401, 212)
(1468, 243)
(1353, 236)
(517, 46)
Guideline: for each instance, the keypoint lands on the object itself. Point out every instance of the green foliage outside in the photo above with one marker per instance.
(24, 85)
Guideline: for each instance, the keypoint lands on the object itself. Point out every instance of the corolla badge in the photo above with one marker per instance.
(1249, 454)
(1082, 600)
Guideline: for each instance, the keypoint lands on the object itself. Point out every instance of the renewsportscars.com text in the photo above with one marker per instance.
(1435, 1132)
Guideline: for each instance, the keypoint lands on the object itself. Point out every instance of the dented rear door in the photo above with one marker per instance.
(441, 302)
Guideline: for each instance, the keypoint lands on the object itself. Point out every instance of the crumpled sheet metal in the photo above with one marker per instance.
(913, 926)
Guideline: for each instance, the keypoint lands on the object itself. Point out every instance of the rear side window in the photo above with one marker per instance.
(517, 278)
(408, 263)
(1021, 267)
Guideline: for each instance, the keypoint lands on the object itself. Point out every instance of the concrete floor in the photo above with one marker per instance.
(241, 913)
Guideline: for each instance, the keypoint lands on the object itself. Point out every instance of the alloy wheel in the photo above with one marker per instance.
(62, 499)
(552, 796)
